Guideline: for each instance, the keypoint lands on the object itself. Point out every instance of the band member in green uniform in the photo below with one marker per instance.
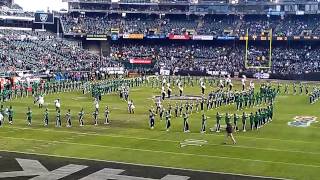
(29, 116)
(46, 117)
(68, 118)
(81, 116)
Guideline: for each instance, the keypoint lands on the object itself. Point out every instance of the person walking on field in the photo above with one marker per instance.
(229, 130)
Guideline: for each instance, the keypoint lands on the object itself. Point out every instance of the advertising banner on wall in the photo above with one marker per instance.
(98, 37)
(133, 36)
(156, 36)
(179, 37)
(226, 37)
(140, 61)
(202, 37)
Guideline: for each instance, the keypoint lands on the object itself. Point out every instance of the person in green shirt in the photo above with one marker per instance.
(235, 121)
(25, 87)
(278, 88)
(237, 99)
(244, 121)
(95, 117)
(261, 119)
(106, 114)
(185, 123)
(241, 101)
(227, 118)
(306, 87)
(258, 99)
(251, 117)
(246, 100)
(58, 119)
(294, 88)
(46, 88)
(203, 123)
(286, 89)
(10, 115)
(68, 117)
(218, 125)
(29, 116)
(81, 115)
(15, 92)
(256, 120)
(4, 95)
(168, 120)
(21, 90)
(46, 117)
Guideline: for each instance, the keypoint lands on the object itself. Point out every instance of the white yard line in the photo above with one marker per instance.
(81, 134)
(208, 134)
(173, 153)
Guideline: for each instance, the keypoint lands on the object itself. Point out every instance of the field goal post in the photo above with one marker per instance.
(247, 66)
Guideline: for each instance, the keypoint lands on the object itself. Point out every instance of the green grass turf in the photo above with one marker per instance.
(275, 150)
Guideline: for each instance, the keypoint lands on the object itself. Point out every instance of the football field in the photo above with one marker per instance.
(276, 150)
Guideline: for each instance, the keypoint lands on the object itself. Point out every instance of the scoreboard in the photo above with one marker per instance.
(43, 18)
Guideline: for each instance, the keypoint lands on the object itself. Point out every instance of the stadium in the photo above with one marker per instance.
(160, 89)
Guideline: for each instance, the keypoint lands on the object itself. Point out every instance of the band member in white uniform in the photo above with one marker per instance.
(243, 82)
(251, 86)
(41, 101)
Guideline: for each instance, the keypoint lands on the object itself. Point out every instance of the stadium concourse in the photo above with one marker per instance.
(160, 90)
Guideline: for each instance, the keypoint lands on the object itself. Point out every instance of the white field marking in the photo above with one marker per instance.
(37, 147)
(175, 141)
(69, 139)
(45, 145)
(145, 165)
(133, 90)
(193, 142)
(79, 98)
(173, 153)
(31, 150)
(65, 140)
(208, 134)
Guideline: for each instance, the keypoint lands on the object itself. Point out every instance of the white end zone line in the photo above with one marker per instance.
(146, 165)
(81, 134)
(170, 152)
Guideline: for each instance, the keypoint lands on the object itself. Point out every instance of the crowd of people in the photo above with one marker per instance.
(16, 13)
(179, 24)
(41, 51)
(31, 50)
(197, 57)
